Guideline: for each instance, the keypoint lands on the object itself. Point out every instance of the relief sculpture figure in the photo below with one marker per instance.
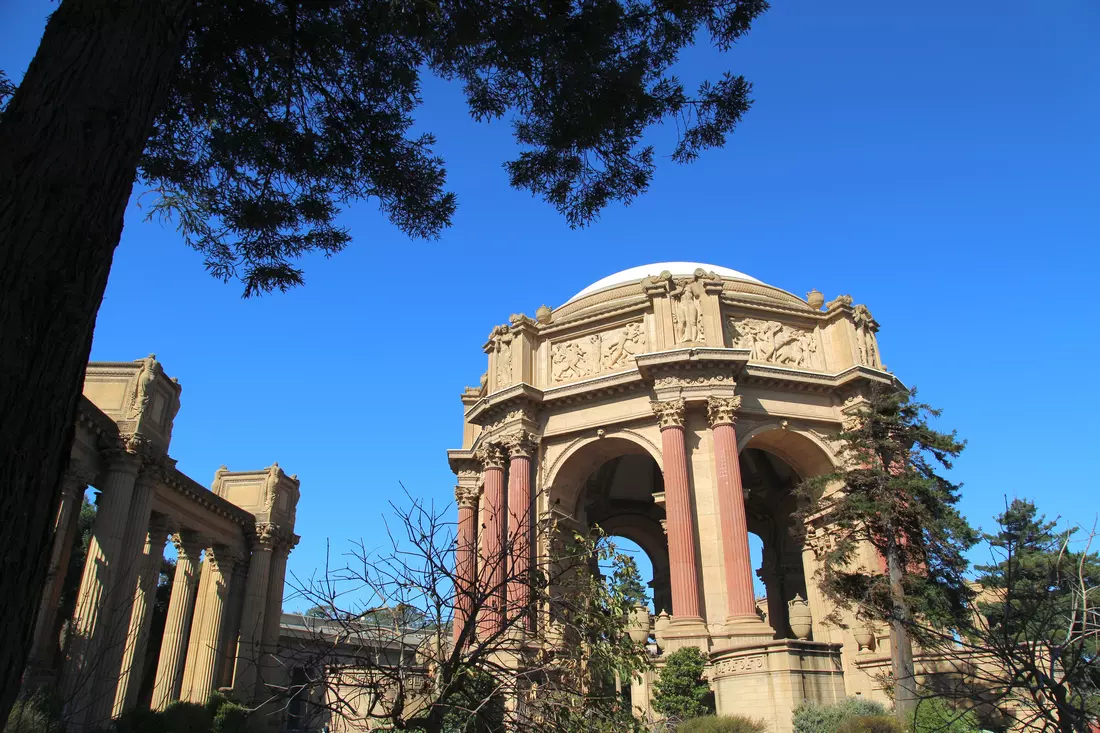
(570, 361)
(774, 342)
(622, 348)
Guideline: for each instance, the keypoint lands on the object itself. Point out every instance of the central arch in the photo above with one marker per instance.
(614, 483)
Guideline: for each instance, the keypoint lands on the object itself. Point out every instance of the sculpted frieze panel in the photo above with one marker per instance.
(775, 342)
(597, 353)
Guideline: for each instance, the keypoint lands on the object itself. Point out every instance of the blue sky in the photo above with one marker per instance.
(939, 161)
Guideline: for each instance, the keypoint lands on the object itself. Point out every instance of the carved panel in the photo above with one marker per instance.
(738, 665)
(597, 353)
(775, 342)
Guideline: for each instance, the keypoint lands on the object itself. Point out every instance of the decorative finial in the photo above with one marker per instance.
(543, 314)
(815, 299)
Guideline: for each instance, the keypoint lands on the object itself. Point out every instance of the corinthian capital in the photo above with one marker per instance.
(669, 414)
(466, 496)
(491, 455)
(520, 444)
(267, 535)
(723, 410)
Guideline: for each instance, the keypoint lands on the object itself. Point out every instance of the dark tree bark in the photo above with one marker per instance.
(70, 142)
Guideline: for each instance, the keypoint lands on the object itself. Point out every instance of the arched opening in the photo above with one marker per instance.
(616, 484)
(769, 484)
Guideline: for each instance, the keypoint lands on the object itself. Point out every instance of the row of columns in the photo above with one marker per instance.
(733, 526)
(499, 556)
(503, 563)
(217, 590)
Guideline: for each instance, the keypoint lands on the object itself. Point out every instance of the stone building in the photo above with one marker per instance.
(677, 405)
(232, 541)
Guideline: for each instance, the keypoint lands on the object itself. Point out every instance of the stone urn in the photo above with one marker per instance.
(638, 625)
(543, 314)
(865, 638)
(815, 299)
(800, 619)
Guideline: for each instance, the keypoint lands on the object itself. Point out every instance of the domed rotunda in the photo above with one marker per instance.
(678, 405)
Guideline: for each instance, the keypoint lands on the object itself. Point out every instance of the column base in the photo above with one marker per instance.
(683, 631)
(743, 631)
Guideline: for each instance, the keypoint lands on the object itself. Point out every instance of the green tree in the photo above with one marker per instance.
(889, 494)
(1036, 622)
(251, 123)
(626, 581)
(680, 691)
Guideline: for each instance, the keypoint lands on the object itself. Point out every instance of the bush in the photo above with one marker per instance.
(934, 715)
(680, 691)
(811, 717)
(230, 718)
(722, 724)
(871, 724)
(34, 714)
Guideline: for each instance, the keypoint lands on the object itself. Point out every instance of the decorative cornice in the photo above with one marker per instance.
(669, 414)
(723, 410)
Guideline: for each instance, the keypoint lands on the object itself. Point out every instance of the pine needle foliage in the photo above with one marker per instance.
(892, 496)
(283, 111)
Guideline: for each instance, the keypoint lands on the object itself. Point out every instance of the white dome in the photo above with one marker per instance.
(676, 268)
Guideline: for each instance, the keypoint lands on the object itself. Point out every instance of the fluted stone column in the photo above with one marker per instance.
(521, 447)
(181, 610)
(123, 590)
(44, 643)
(491, 617)
(465, 556)
(721, 412)
(206, 632)
(254, 612)
(681, 522)
(141, 617)
(85, 659)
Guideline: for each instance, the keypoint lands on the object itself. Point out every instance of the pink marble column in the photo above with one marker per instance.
(741, 599)
(491, 616)
(465, 556)
(521, 447)
(680, 519)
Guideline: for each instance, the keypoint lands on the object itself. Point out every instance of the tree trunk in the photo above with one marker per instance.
(901, 646)
(70, 142)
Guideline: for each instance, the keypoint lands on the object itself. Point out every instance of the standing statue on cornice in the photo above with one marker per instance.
(271, 483)
(141, 391)
(688, 298)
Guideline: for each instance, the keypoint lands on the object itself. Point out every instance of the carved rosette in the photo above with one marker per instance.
(520, 444)
(723, 410)
(466, 496)
(491, 455)
(669, 414)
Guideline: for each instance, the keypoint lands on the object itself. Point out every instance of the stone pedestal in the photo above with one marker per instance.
(769, 680)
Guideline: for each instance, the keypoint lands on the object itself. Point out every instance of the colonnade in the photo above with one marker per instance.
(500, 554)
(231, 543)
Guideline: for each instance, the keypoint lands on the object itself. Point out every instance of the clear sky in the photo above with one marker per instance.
(940, 161)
